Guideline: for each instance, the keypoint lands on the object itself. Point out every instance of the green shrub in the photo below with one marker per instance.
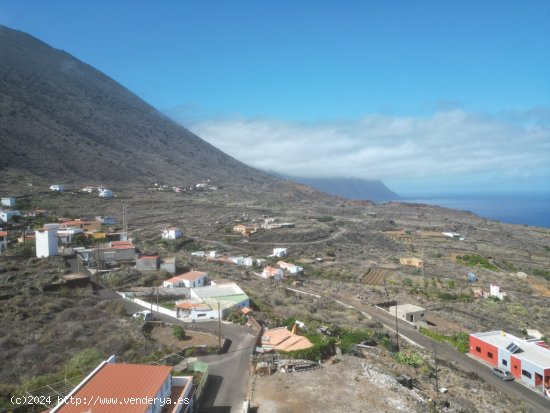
(178, 332)
(473, 260)
(409, 358)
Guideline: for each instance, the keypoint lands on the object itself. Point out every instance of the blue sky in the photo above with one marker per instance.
(431, 95)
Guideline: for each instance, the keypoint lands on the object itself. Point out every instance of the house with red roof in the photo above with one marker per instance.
(190, 279)
(130, 388)
(272, 273)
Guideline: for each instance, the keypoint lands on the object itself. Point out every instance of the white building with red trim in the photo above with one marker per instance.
(527, 360)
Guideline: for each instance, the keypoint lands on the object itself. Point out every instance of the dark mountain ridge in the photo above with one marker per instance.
(351, 188)
(62, 119)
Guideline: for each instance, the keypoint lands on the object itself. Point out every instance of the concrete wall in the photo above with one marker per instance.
(485, 349)
(147, 306)
(46, 243)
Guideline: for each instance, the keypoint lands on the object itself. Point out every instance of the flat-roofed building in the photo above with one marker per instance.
(409, 312)
(527, 360)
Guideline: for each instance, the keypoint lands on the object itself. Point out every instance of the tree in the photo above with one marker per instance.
(178, 332)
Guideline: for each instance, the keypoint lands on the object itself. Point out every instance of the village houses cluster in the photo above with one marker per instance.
(100, 247)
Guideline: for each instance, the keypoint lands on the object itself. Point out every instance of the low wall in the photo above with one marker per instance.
(149, 306)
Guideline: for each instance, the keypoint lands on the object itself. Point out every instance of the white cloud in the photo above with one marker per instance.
(447, 144)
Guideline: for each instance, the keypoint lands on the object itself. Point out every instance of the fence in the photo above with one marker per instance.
(149, 306)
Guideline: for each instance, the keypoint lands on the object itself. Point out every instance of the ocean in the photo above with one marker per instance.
(526, 209)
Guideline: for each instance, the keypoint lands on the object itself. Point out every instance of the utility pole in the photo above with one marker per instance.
(396, 327)
(436, 377)
(219, 329)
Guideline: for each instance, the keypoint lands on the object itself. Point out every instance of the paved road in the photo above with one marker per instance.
(228, 373)
(537, 403)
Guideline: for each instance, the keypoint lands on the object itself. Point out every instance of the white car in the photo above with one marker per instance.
(145, 315)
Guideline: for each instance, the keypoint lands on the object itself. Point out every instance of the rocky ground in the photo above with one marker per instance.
(369, 385)
(360, 257)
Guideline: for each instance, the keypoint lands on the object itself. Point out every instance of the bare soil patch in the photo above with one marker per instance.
(163, 335)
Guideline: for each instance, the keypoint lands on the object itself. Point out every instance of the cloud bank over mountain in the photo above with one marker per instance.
(452, 144)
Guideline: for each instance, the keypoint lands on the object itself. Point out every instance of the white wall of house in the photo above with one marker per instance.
(172, 284)
(279, 252)
(6, 216)
(9, 202)
(172, 233)
(198, 282)
(46, 243)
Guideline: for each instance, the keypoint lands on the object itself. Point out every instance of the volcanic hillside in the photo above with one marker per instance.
(61, 119)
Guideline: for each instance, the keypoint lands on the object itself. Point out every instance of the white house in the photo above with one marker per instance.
(205, 301)
(494, 291)
(9, 202)
(88, 189)
(105, 193)
(46, 242)
(272, 273)
(279, 252)
(6, 216)
(172, 233)
(3, 241)
(198, 254)
(106, 220)
(244, 261)
(66, 235)
(190, 279)
(291, 268)
(214, 254)
(57, 188)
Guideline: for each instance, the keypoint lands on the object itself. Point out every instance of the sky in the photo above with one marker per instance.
(428, 96)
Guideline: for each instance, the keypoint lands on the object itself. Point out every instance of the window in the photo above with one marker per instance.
(504, 362)
(478, 349)
(201, 315)
(489, 354)
(526, 374)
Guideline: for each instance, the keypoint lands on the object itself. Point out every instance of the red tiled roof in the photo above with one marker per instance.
(190, 305)
(173, 280)
(113, 243)
(191, 276)
(149, 257)
(3, 233)
(123, 247)
(120, 381)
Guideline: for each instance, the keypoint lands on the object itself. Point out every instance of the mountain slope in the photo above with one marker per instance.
(62, 119)
(352, 188)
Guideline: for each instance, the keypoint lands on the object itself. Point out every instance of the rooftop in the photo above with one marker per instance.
(217, 291)
(408, 308)
(284, 340)
(192, 275)
(528, 350)
(120, 381)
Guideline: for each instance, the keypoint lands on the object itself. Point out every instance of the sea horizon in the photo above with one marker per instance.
(513, 208)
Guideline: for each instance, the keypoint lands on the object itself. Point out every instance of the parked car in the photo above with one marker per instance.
(503, 374)
(144, 315)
